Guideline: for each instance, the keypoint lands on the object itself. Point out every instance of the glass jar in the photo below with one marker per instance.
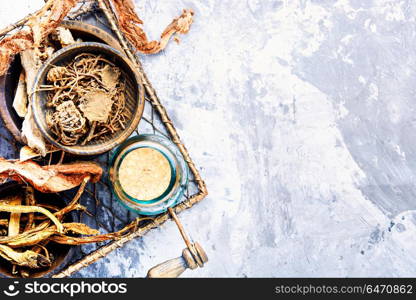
(178, 174)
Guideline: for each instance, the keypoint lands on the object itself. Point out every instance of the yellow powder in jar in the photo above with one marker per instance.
(144, 174)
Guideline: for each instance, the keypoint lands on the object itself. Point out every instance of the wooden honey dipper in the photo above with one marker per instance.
(193, 256)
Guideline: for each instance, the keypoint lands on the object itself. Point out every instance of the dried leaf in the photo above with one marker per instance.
(96, 106)
(50, 179)
(41, 24)
(77, 171)
(110, 76)
(49, 18)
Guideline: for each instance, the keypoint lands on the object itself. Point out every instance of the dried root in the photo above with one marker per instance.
(86, 100)
(14, 222)
(27, 258)
(49, 17)
(34, 237)
(31, 62)
(49, 179)
(130, 24)
(18, 209)
(70, 240)
(29, 249)
(30, 201)
(27, 153)
(40, 24)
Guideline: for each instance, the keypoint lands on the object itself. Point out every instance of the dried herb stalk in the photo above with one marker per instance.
(27, 258)
(14, 223)
(18, 209)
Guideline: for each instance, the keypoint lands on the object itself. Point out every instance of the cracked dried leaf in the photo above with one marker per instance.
(96, 106)
(110, 76)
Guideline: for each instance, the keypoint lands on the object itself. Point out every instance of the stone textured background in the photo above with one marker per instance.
(301, 116)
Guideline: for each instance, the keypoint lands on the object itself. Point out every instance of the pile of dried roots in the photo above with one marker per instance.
(86, 100)
(44, 21)
(29, 227)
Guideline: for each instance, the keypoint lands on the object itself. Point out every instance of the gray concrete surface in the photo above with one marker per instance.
(301, 117)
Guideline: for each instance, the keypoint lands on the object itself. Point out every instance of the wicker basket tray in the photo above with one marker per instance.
(107, 214)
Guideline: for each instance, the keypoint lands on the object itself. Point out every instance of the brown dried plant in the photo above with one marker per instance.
(40, 24)
(43, 22)
(86, 100)
(30, 248)
(130, 25)
(49, 179)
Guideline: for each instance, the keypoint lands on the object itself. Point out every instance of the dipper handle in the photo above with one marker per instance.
(175, 267)
(169, 269)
